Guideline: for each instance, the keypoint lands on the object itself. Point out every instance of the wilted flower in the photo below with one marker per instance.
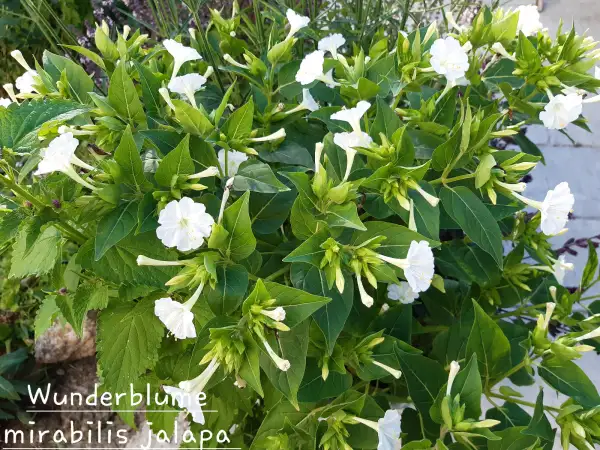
(184, 224)
(555, 208)
(297, 22)
(331, 44)
(181, 54)
(418, 266)
(561, 111)
(529, 20)
(450, 59)
(187, 85)
(234, 159)
(402, 292)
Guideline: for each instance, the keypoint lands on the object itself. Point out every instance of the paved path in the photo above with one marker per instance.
(577, 163)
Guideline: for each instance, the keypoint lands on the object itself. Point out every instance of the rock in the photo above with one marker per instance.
(60, 343)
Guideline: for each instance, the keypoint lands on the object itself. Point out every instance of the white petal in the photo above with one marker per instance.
(556, 208)
(529, 20)
(191, 82)
(420, 270)
(180, 52)
(389, 431)
(311, 67)
(234, 159)
(176, 317)
(331, 43)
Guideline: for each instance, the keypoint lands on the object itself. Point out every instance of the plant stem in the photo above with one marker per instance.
(519, 401)
(452, 179)
(277, 274)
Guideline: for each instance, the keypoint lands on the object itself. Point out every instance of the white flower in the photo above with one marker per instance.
(9, 88)
(6, 102)
(560, 268)
(177, 317)
(308, 103)
(297, 22)
(282, 364)
(184, 224)
(353, 115)
(188, 395)
(555, 208)
(311, 69)
(418, 265)
(25, 83)
(331, 44)
(591, 335)
(319, 146)
(180, 53)
(234, 159)
(187, 85)
(279, 134)
(454, 368)
(277, 314)
(448, 58)
(389, 430)
(402, 292)
(210, 171)
(365, 298)
(529, 20)
(499, 48)
(561, 111)
(544, 320)
(142, 260)
(349, 142)
(59, 156)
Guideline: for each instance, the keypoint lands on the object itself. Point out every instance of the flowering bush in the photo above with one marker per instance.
(320, 237)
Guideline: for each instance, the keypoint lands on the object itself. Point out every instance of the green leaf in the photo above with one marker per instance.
(87, 297)
(47, 312)
(250, 369)
(232, 283)
(129, 336)
(314, 388)
(118, 265)
(398, 238)
(310, 250)
(568, 378)
(35, 252)
(590, 272)
(269, 211)
(512, 438)
(79, 82)
(344, 216)
(256, 176)
(9, 224)
(298, 304)
(490, 345)
(332, 317)
(424, 378)
(177, 162)
(192, 120)
(293, 345)
(467, 384)
(114, 227)
(150, 86)
(20, 124)
(324, 115)
(7, 390)
(123, 96)
(467, 263)
(129, 160)
(386, 121)
(467, 210)
(240, 242)
(540, 425)
(92, 56)
(239, 124)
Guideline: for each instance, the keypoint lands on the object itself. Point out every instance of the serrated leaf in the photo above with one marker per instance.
(35, 252)
(19, 124)
(129, 336)
(47, 312)
(87, 297)
(118, 265)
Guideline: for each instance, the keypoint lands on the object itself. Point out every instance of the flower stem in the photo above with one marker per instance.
(450, 180)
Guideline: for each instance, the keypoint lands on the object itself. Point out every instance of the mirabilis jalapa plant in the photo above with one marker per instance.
(311, 232)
